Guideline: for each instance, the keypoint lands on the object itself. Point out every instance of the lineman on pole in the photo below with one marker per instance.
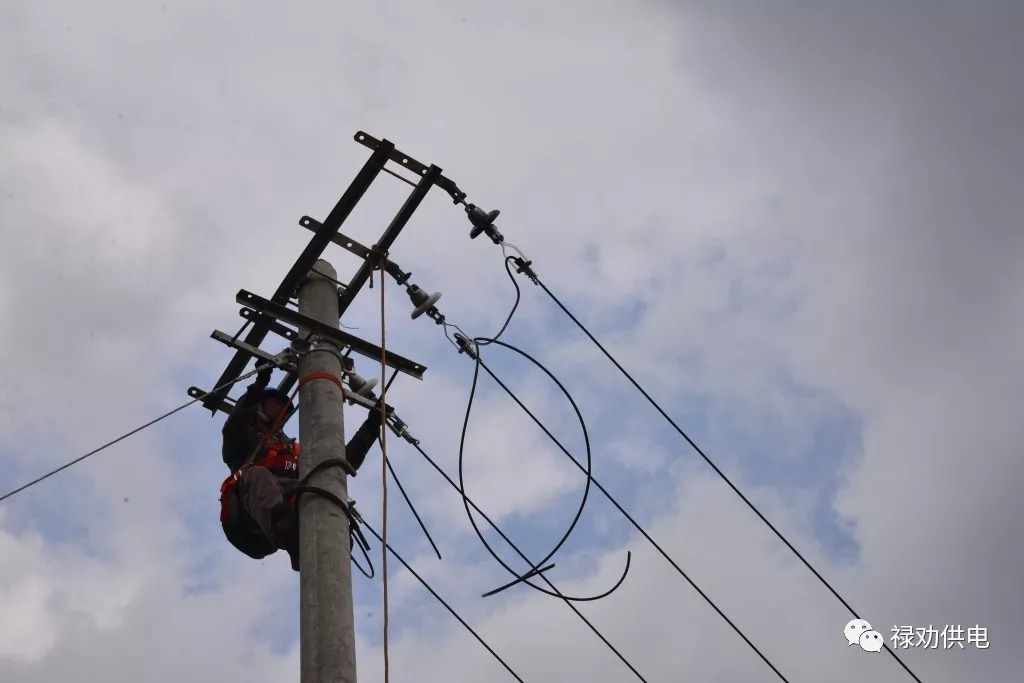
(258, 516)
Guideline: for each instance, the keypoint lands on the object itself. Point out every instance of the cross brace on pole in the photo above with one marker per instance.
(329, 231)
(300, 270)
(263, 307)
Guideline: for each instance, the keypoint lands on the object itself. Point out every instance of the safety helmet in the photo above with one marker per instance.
(277, 394)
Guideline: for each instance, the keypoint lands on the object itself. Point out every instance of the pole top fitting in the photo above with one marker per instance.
(315, 343)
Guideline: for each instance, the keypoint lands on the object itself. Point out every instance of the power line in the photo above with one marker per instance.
(715, 467)
(586, 491)
(442, 601)
(524, 266)
(537, 568)
(122, 437)
(620, 508)
(483, 515)
(462, 343)
(356, 521)
(515, 304)
(433, 313)
(408, 501)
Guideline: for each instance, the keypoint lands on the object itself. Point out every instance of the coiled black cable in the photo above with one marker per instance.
(539, 567)
(536, 568)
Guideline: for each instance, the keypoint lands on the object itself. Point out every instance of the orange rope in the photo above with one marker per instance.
(277, 423)
(384, 471)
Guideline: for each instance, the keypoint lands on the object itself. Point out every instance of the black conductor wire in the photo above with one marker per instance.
(518, 551)
(539, 566)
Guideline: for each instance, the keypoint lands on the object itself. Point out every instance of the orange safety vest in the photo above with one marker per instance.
(282, 459)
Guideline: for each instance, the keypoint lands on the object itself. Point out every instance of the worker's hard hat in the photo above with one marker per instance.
(277, 394)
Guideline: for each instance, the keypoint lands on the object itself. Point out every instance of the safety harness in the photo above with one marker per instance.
(282, 459)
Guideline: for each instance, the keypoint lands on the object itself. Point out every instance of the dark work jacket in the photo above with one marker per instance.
(243, 434)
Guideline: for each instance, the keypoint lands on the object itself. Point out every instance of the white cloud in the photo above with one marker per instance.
(818, 198)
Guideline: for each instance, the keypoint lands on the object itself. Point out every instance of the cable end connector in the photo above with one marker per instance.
(465, 346)
(525, 267)
(354, 516)
(402, 430)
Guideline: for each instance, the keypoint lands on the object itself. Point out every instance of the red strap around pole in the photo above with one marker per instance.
(323, 375)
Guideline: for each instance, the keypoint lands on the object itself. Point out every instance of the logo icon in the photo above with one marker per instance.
(871, 641)
(855, 629)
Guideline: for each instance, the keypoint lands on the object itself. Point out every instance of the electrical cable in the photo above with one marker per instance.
(536, 569)
(524, 266)
(387, 385)
(708, 460)
(412, 507)
(515, 305)
(586, 491)
(368, 574)
(394, 475)
(354, 534)
(625, 513)
(483, 515)
(125, 436)
(443, 602)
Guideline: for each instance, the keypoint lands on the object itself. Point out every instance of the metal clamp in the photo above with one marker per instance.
(525, 268)
(287, 360)
(465, 346)
(274, 310)
(315, 343)
(402, 430)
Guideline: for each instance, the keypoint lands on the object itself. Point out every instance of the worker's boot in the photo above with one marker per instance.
(286, 531)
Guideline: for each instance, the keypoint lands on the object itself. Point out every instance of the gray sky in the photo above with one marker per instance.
(798, 225)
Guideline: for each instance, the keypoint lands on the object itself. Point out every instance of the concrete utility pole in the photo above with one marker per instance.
(327, 631)
(327, 621)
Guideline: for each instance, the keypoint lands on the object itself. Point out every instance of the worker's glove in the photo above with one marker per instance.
(375, 417)
(266, 369)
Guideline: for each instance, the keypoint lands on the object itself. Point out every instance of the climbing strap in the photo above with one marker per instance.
(356, 536)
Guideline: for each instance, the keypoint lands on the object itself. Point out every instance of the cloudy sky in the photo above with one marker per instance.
(796, 223)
